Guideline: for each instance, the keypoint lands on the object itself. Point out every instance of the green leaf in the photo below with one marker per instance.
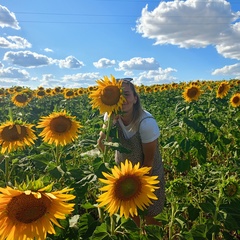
(87, 225)
(186, 145)
(193, 212)
(207, 207)
(211, 137)
(182, 164)
(199, 232)
(195, 125)
(100, 232)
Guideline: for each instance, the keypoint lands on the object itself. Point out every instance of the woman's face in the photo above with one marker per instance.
(130, 98)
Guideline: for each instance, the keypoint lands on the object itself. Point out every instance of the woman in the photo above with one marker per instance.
(138, 131)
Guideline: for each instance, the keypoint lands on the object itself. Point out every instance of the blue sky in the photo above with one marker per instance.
(74, 43)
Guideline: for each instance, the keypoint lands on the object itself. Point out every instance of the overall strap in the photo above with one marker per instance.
(142, 120)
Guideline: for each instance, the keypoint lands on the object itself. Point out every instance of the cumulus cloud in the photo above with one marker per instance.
(229, 45)
(80, 79)
(14, 73)
(228, 70)
(48, 50)
(192, 23)
(104, 63)
(156, 76)
(14, 42)
(49, 81)
(27, 59)
(70, 62)
(138, 63)
(8, 19)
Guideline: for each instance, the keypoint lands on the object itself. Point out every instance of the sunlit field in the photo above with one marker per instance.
(50, 166)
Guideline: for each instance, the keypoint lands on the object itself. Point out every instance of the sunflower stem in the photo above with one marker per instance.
(58, 155)
(6, 170)
(100, 214)
(109, 126)
(10, 114)
(113, 224)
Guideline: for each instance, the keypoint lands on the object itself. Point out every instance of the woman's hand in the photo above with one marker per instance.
(100, 144)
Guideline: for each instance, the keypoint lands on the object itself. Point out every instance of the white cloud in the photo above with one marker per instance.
(14, 42)
(81, 79)
(138, 63)
(15, 77)
(229, 45)
(8, 19)
(14, 73)
(70, 62)
(27, 59)
(48, 50)
(1, 65)
(156, 76)
(7, 83)
(228, 70)
(190, 23)
(104, 63)
(49, 81)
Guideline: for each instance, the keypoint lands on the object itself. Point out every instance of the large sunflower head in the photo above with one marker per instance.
(192, 93)
(69, 93)
(30, 214)
(59, 128)
(127, 188)
(40, 93)
(16, 135)
(235, 100)
(223, 89)
(21, 99)
(230, 188)
(108, 97)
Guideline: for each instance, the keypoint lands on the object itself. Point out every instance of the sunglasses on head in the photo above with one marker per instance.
(125, 79)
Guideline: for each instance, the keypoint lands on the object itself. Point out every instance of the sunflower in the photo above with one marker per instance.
(235, 100)
(108, 96)
(59, 128)
(14, 135)
(231, 188)
(69, 93)
(223, 89)
(21, 99)
(40, 93)
(191, 93)
(128, 188)
(28, 214)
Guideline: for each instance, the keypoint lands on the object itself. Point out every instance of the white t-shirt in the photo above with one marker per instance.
(149, 130)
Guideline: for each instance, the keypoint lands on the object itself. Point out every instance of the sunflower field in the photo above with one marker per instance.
(52, 174)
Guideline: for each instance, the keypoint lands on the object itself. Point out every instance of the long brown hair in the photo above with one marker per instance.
(137, 108)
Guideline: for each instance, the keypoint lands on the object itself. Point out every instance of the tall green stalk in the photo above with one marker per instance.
(57, 154)
(108, 129)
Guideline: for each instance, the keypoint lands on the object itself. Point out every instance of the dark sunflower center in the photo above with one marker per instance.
(127, 187)
(69, 93)
(14, 133)
(222, 88)
(26, 208)
(60, 124)
(231, 189)
(236, 100)
(21, 98)
(192, 92)
(110, 95)
(41, 93)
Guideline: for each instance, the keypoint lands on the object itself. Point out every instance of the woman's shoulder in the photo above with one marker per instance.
(146, 114)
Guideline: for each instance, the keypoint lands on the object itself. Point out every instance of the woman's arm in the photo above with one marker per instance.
(149, 150)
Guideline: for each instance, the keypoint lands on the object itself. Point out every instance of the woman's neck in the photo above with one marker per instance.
(127, 118)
